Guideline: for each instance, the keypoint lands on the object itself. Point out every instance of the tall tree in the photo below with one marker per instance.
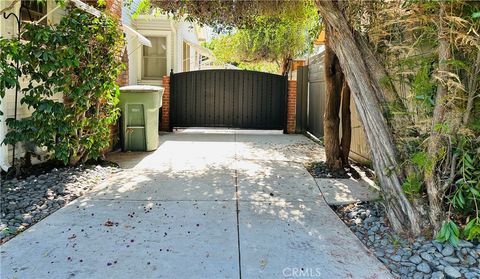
(368, 95)
(337, 102)
(331, 120)
(432, 181)
(269, 39)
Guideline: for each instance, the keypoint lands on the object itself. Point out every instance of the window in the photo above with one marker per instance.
(186, 57)
(155, 59)
(33, 10)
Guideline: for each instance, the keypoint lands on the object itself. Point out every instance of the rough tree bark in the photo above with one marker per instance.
(331, 120)
(346, 123)
(432, 181)
(472, 89)
(389, 93)
(286, 65)
(366, 91)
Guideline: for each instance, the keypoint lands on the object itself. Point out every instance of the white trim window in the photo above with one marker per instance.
(33, 10)
(144, 70)
(155, 59)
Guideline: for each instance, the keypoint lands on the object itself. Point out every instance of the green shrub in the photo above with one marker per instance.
(79, 57)
(8, 71)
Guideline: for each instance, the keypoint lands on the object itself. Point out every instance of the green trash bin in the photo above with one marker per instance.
(140, 106)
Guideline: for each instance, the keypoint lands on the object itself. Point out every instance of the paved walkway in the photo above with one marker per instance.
(201, 206)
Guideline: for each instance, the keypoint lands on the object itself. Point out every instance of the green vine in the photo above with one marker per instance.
(79, 60)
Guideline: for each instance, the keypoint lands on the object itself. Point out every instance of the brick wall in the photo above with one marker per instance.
(112, 6)
(115, 7)
(123, 77)
(165, 122)
(291, 106)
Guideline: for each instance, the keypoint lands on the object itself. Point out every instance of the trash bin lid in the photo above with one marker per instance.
(141, 88)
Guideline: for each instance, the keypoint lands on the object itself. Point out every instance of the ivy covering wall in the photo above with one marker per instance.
(80, 58)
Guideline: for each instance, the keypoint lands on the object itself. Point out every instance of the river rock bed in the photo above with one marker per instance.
(26, 201)
(420, 258)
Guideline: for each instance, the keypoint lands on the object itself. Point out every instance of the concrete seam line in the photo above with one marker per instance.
(237, 197)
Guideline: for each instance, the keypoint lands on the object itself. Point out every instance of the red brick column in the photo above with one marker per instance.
(291, 106)
(115, 7)
(123, 77)
(165, 124)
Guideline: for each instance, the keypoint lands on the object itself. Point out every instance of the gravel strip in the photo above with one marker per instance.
(24, 202)
(418, 259)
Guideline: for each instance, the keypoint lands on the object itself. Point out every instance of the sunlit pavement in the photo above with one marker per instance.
(229, 204)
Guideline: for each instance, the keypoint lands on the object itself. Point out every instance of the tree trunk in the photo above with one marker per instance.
(432, 180)
(286, 65)
(388, 96)
(346, 123)
(402, 216)
(331, 119)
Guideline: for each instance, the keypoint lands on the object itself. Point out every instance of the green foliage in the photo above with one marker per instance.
(260, 66)
(445, 148)
(412, 184)
(449, 233)
(269, 39)
(221, 15)
(8, 72)
(78, 58)
(420, 159)
(424, 87)
(466, 194)
(472, 229)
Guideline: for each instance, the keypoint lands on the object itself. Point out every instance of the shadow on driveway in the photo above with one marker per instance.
(201, 206)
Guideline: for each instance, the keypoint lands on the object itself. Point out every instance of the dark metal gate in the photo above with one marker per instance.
(228, 98)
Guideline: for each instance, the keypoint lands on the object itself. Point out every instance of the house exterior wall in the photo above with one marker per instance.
(148, 26)
(185, 31)
(7, 30)
(176, 31)
(133, 46)
(132, 42)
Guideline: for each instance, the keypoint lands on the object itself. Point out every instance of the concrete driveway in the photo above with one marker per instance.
(221, 205)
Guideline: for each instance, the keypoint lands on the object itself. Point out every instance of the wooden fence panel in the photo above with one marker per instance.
(302, 99)
(228, 98)
(316, 95)
(359, 149)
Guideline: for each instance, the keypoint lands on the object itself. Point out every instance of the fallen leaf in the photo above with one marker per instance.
(110, 223)
(263, 263)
